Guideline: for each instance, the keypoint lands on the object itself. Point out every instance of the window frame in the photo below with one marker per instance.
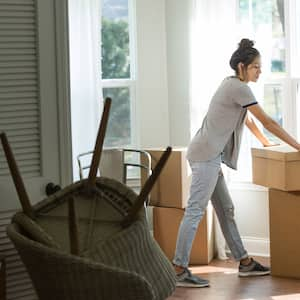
(130, 82)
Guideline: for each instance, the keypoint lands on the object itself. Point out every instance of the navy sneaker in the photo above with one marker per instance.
(187, 279)
(253, 269)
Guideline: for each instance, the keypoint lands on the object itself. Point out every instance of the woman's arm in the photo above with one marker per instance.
(257, 132)
(273, 126)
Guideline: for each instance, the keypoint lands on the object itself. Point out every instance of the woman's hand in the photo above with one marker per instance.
(270, 144)
(258, 133)
(273, 126)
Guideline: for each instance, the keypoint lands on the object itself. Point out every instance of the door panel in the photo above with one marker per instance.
(32, 73)
(28, 96)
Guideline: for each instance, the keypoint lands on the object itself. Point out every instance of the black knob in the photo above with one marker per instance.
(52, 188)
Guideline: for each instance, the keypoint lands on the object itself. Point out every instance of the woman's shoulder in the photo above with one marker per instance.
(233, 82)
(233, 79)
(229, 82)
(231, 88)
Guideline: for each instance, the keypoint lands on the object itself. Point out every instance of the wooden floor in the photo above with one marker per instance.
(226, 285)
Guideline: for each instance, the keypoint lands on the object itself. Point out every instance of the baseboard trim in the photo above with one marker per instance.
(257, 246)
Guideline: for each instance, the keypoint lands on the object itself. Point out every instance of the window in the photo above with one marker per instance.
(264, 20)
(274, 26)
(118, 70)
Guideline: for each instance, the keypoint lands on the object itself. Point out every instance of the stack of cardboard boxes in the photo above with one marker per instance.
(169, 198)
(278, 168)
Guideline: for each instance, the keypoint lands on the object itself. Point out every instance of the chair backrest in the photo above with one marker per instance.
(115, 163)
(111, 164)
(57, 275)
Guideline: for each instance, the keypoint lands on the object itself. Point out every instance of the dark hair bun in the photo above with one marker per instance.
(246, 43)
(245, 54)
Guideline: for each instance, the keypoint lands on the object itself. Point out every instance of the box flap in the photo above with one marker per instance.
(281, 152)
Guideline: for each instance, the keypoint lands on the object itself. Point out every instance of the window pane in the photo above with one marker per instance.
(264, 22)
(273, 105)
(115, 39)
(295, 41)
(118, 132)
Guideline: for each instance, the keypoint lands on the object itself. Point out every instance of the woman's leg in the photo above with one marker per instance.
(224, 208)
(204, 179)
(222, 203)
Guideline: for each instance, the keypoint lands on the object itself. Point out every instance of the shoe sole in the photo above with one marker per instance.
(191, 285)
(249, 274)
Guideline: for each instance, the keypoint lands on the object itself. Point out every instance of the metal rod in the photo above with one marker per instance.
(16, 176)
(142, 197)
(73, 227)
(99, 143)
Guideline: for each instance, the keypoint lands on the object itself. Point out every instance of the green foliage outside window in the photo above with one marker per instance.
(118, 129)
(115, 49)
(116, 65)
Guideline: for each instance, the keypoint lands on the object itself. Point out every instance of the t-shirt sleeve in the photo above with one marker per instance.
(244, 96)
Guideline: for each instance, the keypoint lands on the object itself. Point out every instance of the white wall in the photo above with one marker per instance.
(163, 98)
(252, 217)
(152, 87)
(178, 66)
(163, 72)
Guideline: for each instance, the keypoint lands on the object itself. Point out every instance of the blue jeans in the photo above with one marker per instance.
(207, 184)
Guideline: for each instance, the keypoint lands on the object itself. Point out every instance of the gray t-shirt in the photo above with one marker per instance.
(222, 127)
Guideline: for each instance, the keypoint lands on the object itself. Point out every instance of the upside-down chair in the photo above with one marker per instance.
(91, 239)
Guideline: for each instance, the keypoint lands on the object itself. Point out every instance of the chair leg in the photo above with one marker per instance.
(16, 176)
(99, 143)
(73, 227)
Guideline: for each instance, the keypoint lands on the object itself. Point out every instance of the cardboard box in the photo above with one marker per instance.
(173, 184)
(284, 233)
(276, 167)
(166, 223)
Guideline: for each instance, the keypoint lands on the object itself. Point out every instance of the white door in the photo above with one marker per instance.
(33, 112)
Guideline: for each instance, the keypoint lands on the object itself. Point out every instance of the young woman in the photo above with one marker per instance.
(218, 141)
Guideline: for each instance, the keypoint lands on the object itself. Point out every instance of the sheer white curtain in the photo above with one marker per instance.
(85, 74)
(213, 40)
